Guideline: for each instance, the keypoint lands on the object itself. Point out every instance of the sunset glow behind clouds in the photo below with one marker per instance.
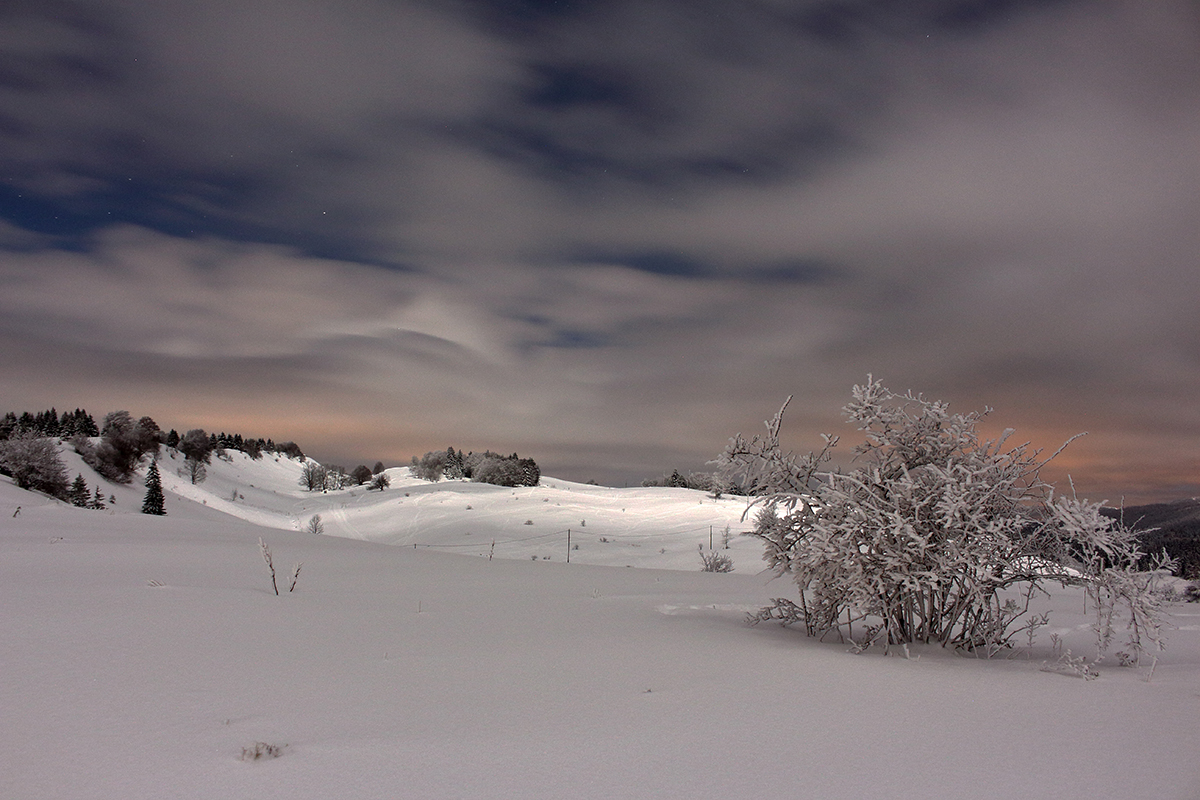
(607, 235)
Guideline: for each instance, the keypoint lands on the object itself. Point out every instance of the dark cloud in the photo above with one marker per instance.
(610, 234)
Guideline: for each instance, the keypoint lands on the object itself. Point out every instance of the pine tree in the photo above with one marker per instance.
(153, 502)
(78, 493)
(97, 501)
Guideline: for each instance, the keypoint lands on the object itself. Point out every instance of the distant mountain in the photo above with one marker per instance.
(1171, 526)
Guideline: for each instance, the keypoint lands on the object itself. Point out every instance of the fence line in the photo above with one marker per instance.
(568, 532)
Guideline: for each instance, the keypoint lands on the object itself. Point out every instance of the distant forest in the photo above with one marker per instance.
(1174, 527)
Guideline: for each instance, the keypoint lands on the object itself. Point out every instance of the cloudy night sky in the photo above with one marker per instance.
(607, 235)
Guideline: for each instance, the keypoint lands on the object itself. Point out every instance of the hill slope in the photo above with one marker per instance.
(645, 527)
(142, 654)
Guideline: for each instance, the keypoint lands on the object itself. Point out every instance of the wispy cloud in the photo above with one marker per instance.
(604, 229)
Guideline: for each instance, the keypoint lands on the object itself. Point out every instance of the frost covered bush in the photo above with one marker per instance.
(260, 751)
(935, 536)
(33, 463)
(714, 561)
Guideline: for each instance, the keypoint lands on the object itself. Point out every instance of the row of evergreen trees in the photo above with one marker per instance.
(49, 423)
(255, 448)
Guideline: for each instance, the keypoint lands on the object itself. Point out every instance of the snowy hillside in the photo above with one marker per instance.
(143, 656)
(643, 527)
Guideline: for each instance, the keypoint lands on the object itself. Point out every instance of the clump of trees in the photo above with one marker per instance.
(30, 446)
(81, 497)
(124, 442)
(702, 481)
(115, 449)
(936, 536)
(316, 477)
(485, 467)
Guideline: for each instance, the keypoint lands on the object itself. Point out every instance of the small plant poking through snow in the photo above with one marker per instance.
(266, 554)
(714, 561)
(261, 751)
(315, 525)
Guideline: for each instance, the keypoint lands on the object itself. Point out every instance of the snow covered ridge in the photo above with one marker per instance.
(656, 527)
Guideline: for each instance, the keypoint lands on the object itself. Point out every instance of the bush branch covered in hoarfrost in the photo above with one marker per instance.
(935, 536)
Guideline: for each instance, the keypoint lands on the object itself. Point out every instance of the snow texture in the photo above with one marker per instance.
(148, 657)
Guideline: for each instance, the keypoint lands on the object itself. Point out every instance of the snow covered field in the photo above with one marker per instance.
(140, 655)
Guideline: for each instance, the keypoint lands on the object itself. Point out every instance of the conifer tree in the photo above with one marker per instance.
(153, 503)
(78, 493)
(97, 501)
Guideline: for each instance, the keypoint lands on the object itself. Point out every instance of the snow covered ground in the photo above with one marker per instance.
(139, 657)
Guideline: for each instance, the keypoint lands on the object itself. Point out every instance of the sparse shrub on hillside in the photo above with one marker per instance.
(315, 526)
(265, 552)
(260, 751)
(379, 481)
(936, 536)
(714, 561)
(33, 463)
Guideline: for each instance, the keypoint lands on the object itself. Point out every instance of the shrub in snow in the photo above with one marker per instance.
(33, 463)
(266, 555)
(260, 751)
(936, 536)
(714, 561)
(379, 481)
(315, 525)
